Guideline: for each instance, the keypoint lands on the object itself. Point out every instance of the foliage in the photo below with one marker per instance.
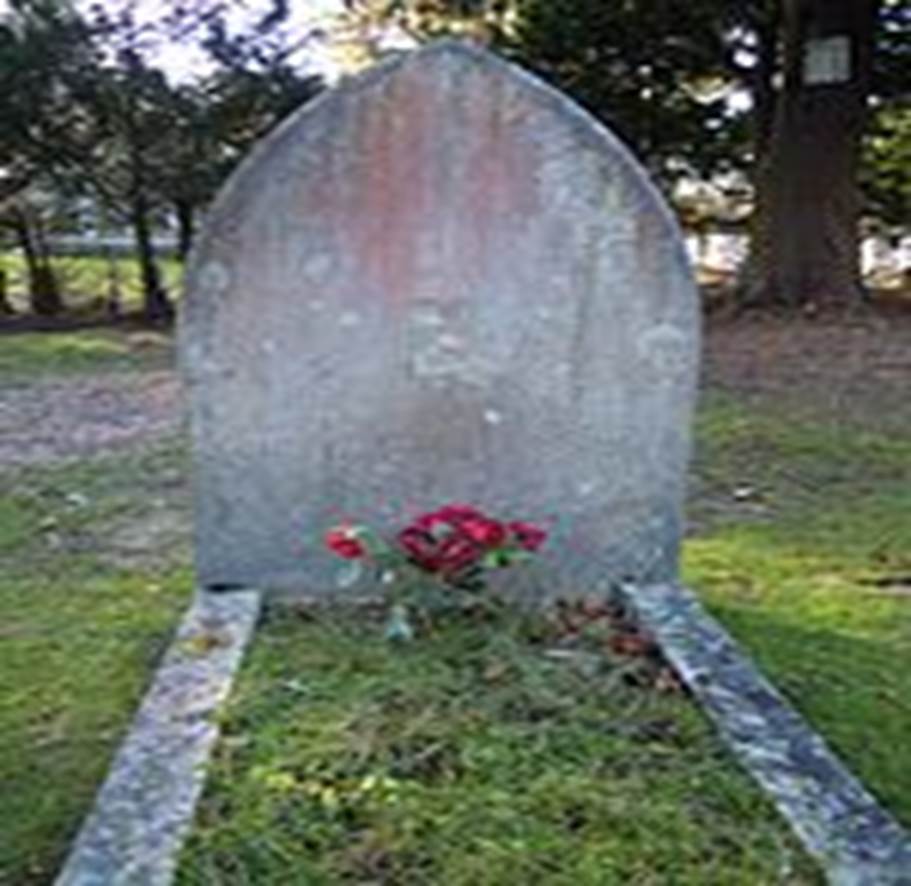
(87, 108)
(89, 113)
(886, 175)
(887, 167)
(892, 62)
(651, 71)
(690, 86)
(43, 45)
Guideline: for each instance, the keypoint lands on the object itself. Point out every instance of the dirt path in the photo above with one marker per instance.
(58, 418)
(839, 370)
(843, 370)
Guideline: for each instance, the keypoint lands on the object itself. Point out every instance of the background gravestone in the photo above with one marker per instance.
(441, 281)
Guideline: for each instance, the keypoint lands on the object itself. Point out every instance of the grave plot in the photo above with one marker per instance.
(482, 753)
(444, 283)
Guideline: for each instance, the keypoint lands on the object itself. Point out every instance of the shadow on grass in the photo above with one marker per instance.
(810, 599)
(852, 689)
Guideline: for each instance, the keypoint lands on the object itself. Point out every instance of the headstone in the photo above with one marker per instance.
(441, 281)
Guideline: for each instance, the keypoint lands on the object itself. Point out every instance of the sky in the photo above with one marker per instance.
(184, 61)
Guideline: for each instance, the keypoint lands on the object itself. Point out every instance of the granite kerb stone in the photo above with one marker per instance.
(856, 842)
(144, 809)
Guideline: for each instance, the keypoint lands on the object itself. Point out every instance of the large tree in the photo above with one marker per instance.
(88, 112)
(805, 237)
(42, 45)
(129, 105)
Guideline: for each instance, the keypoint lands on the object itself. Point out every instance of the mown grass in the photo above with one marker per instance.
(86, 278)
(25, 356)
(487, 761)
(811, 571)
(469, 758)
(80, 637)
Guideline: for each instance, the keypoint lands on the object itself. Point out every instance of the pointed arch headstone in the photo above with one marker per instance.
(441, 281)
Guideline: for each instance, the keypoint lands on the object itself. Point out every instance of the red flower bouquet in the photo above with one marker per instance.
(437, 554)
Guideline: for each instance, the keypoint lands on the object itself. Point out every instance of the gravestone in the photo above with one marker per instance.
(441, 281)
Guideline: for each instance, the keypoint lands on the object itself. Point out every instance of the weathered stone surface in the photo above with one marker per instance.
(145, 807)
(440, 281)
(856, 842)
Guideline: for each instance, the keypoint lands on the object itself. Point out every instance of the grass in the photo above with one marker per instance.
(469, 758)
(80, 637)
(814, 578)
(85, 278)
(24, 356)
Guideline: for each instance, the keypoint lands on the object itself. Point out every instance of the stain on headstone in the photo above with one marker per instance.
(440, 281)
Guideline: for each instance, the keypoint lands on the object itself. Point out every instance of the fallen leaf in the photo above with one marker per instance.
(632, 644)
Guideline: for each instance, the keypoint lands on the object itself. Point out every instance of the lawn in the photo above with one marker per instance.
(81, 633)
(802, 550)
(57, 355)
(812, 573)
(480, 745)
(84, 279)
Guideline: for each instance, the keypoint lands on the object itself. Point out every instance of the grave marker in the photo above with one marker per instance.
(441, 281)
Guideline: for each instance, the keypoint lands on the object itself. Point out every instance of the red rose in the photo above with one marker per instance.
(457, 536)
(420, 547)
(448, 554)
(527, 535)
(459, 512)
(343, 540)
(484, 531)
(465, 520)
(449, 516)
(458, 553)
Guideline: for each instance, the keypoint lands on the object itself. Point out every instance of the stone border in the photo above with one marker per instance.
(144, 810)
(855, 841)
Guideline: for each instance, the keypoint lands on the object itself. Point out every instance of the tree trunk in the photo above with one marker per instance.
(156, 305)
(185, 228)
(44, 293)
(767, 25)
(6, 307)
(805, 233)
(114, 299)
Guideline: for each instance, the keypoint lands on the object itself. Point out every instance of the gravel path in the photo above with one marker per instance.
(59, 418)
